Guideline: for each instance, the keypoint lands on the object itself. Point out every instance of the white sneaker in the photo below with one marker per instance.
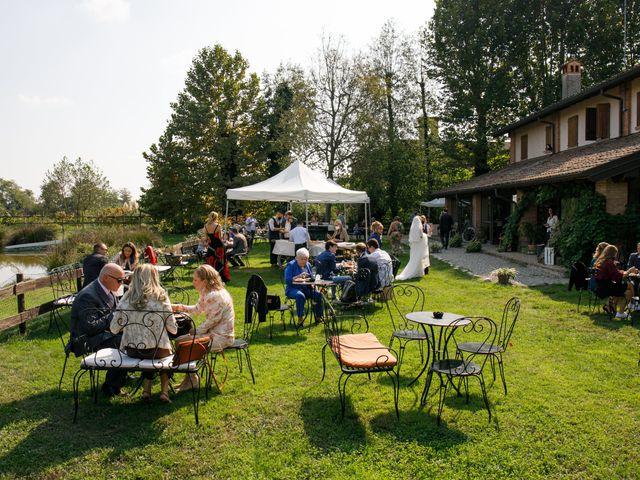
(621, 315)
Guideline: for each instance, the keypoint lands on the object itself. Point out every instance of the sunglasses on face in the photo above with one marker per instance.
(117, 279)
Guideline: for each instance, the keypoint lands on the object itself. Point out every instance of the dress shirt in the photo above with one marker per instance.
(299, 235)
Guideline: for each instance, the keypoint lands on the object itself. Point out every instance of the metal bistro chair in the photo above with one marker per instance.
(403, 299)
(495, 350)
(471, 365)
(240, 345)
(359, 353)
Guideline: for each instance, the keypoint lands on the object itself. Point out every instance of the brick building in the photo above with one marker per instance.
(591, 136)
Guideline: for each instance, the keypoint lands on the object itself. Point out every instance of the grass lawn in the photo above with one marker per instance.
(573, 408)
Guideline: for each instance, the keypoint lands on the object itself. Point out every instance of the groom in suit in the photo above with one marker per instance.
(91, 317)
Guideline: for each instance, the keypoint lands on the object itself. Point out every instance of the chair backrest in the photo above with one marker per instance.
(385, 274)
(255, 284)
(481, 330)
(579, 276)
(395, 263)
(178, 294)
(362, 279)
(402, 299)
(509, 317)
(64, 280)
(249, 327)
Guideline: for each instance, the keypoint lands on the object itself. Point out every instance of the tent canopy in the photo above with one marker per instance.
(435, 203)
(298, 183)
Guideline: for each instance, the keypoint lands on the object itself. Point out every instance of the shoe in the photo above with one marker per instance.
(621, 315)
(187, 384)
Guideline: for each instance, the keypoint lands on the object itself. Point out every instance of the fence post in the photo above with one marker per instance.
(23, 325)
(78, 284)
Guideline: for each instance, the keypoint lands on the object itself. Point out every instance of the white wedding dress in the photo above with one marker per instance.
(418, 254)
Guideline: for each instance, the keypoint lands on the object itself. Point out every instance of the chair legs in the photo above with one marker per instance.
(501, 367)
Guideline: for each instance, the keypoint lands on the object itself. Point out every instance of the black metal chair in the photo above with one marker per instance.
(360, 353)
(403, 299)
(472, 364)
(240, 345)
(495, 350)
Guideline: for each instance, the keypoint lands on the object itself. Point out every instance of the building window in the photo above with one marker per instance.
(591, 124)
(604, 120)
(524, 147)
(572, 134)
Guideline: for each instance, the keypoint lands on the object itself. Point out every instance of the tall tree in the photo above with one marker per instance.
(14, 199)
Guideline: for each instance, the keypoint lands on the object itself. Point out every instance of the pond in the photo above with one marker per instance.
(32, 265)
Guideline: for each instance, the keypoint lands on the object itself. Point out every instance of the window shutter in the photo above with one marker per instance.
(604, 120)
(524, 147)
(548, 139)
(591, 123)
(572, 134)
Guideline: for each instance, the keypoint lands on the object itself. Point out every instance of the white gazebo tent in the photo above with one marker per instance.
(298, 183)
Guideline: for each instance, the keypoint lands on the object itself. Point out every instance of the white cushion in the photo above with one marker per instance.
(65, 301)
(166, 363)
(110, 358)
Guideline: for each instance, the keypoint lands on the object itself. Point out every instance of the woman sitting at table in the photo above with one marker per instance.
(216, 303)
(610, 281)
(299, 270)
(144, 317)
(339, 234)
(128, 257)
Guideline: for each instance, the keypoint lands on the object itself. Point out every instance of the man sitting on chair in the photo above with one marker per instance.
(327, 268)
(299, 269)
(383, 259)
(238, 247)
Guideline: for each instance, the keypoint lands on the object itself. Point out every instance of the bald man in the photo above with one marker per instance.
(91, 317)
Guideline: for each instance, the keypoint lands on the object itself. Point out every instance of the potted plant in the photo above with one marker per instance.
(528, 231)
(504, 274)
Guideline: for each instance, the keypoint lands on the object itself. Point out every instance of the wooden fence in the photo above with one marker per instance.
(20, 288)
(33, 220)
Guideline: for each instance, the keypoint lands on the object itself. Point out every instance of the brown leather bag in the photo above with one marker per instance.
(191, 350)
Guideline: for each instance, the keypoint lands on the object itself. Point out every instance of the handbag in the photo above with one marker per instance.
(191, 350)
(273, 302)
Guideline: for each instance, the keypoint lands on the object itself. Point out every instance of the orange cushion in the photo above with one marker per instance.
(362, 350)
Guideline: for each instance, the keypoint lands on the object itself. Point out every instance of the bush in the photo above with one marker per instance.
(3, 234)
(474, 246)
(456, 240)
(435, 247)
(41, 233)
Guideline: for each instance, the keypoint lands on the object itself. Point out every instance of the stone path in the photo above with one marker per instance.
(481, 265)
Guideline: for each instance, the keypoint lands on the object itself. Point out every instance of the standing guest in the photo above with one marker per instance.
(427, 228)
(395, 235)
(610, 280)
(251, 226)
(339, 233)
(146, 335)
(149, 254)
(552, 223)
(216, 255)
(216, 303)
(128, 257)
(299, 269)
(314, 218)
(275, 226)
(446, 224)
(383, 259)
(91, 314)
(327, 267)
(290, 222)
(300, 238)
(92, 264)
(238, 247)
(376, 232)
(340, 216)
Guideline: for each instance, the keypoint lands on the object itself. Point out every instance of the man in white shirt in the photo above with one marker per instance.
(300, 237)
(250, 225)
(383, 260)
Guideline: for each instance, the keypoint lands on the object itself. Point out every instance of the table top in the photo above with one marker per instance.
(346, 245)
(320, 283)
(448, 319)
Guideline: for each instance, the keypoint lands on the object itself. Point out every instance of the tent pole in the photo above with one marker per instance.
(226, 214)
(366, 221)
(306, 214)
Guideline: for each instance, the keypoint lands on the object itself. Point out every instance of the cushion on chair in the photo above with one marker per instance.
(166, 363)
(65, 301)
(109, 358)
(362, 350)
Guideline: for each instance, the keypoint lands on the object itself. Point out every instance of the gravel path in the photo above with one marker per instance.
(481, 265)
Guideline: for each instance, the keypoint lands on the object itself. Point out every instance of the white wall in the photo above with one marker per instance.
(580, 110)
(635, 121)
(537, 137)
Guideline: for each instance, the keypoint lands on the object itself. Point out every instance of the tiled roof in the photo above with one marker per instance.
(598, 160)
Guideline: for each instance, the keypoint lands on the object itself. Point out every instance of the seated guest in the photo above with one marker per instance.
(91, 314)
(238, 247)
(365, 286)
(216, 303)
(146, 335)
(610, 280)
(596, 254)
(299, 269)
(383, 259)
(300, 237)
(149, 255)
(327, 268)
(92, 264)
(376, 232)
(340, 233)
(634, 261)
(128, 257)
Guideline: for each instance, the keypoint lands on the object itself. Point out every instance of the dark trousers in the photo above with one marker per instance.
(236, 261)
(297, 246)
(250, 237)
(114, 379)
(273, 259)
(444, 235)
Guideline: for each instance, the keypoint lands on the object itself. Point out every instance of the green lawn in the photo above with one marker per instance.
(573, 408)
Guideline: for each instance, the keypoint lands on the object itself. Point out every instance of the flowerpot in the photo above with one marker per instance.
(503, 279)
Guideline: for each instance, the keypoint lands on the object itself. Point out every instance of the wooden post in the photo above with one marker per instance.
(23, 325)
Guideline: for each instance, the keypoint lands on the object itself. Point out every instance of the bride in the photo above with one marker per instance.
(419, 253)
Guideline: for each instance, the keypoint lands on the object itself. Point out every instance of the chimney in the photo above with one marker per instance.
(571, 78)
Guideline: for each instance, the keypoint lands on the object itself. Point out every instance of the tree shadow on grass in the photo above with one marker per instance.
(327, 430)
(48, 438)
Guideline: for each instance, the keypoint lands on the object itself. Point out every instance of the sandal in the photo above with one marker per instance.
(164, 398)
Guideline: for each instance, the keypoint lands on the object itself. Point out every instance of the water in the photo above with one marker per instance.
(31, 265)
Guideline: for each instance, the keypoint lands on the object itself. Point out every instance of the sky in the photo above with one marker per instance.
(95, 78)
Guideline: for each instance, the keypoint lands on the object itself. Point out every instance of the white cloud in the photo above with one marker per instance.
(37, 100)
(107, 11)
